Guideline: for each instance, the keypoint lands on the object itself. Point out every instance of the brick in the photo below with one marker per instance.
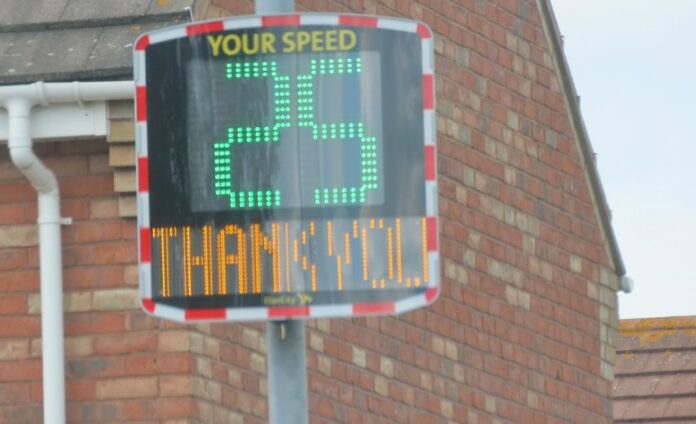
(19, 326)
(12, 214)
(203, 367)
(490, 405)
(16, 191)
(11, 304)
(90, 323)
(426, 381)
(18, 236)
(324, 365)
(121, 131)
(35, 348)
(34, 304)
(99, 164)
(438, 345)
(455, 272)
(174, 385)
(78, 346)
(103, 208)
(22, 414)
(14, 394)
(127, 207)
(130, 275)
(84, 278)
(86, 186)
(122, 155)
(114, 344)
(316, 342)
(66, 166)
(381, 386)
(24, 370)
(92, 231)
(207, 389)
(95, 367)
(156, 363)
(121, 109)
(359, 357)
(446, 409)
(386, 366)
(77, 208)
(607, 370)
(124, 180)
(123, 388)
(524, 299)
(251, 338)
(211, 347)
(173, 341)
(12, 259)
(196, 342)
(77, 301)
(137, 320)
(608, 297)
(81, 390)
(232, 417)
(234, 378)
(451, 350)
(14, 349)
(115, 299)
(459, 373)
(115, 252)
(8, 171)
(324, 325)
(258, 363)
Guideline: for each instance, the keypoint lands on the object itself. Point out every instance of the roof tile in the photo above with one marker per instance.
(656, 371)
(64, 40)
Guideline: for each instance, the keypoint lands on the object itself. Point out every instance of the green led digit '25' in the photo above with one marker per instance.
(303, 85)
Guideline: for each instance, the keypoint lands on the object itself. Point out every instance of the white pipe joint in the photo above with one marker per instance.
(20, 147)
(19, 135)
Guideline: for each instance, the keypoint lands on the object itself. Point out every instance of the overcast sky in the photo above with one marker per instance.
(634, 67)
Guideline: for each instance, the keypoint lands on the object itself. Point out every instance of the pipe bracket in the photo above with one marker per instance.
(77, 94)
(59, 220)
(41, 93)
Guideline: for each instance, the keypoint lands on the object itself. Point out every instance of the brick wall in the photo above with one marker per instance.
(524, 330)
(121, 365)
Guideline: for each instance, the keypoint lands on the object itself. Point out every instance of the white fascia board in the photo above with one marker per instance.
(63, 120)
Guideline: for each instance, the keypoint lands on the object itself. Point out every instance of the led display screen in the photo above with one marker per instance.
(309, 134)
(285, 167)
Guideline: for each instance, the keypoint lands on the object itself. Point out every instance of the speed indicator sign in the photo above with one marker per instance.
(286, 168)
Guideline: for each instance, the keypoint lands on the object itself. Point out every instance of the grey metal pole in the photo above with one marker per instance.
(271, 7)
(285, 340)
(287, 372)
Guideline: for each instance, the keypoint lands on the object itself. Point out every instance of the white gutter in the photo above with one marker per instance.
(19, 100)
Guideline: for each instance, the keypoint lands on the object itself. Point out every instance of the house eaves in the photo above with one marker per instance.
(588, 154)
(70, 40)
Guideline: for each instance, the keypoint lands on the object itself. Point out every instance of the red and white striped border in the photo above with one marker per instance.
(285, 312)
(289, 312)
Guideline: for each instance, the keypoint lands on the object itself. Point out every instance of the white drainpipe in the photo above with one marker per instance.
(18, 100)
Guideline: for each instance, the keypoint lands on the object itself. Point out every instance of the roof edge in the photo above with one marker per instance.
(588, 155)
(632, 326)
(109, 74)
(101, 22)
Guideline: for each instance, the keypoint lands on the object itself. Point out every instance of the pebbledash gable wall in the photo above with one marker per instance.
(526, 324)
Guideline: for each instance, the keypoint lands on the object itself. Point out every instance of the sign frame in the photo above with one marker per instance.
(424, 297)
